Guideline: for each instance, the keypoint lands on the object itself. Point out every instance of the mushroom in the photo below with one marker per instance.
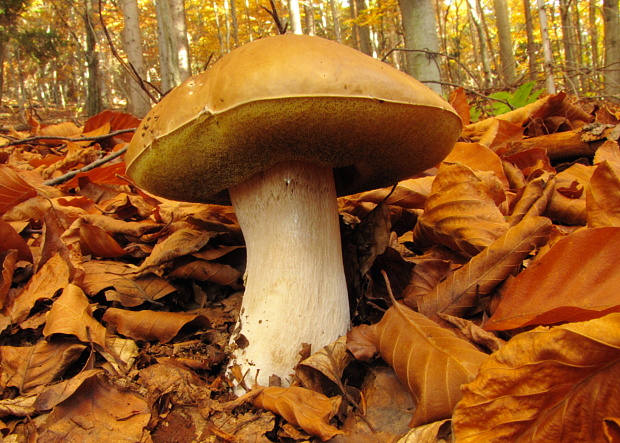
(280, 127)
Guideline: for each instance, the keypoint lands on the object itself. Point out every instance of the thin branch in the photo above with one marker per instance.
(69, 175)
(273, 12)
(60, 137)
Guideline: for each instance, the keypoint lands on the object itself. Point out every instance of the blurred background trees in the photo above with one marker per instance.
(123, 54)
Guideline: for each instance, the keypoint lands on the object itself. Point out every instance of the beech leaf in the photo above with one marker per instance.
(461, 289)
(576, 280)
(151, 325)
(461, 211)
(549, 385)
(71, 314)
(179, 243)
(27, 367)
(603, 197)
(431, 361)
(307, 409)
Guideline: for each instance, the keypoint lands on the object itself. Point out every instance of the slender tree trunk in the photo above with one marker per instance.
(309, 16)
(94, 103)
(531, 42)
(3, 45)
(612, 48)
(235, 23)
(568, 42)
(361, 33)
(173, 43)
(483, 49)
(420, 27)
(295, 17)
(138, 102)
(546, 42)
(594, 41)
(504, 35)
(333, 5)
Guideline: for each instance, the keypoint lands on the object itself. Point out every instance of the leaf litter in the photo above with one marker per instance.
(116, 307)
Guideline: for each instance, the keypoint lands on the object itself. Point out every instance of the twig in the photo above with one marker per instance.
(273, 12)
(69, 175)
(69, 139)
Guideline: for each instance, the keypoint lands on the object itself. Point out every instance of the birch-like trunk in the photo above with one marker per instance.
(138, 102)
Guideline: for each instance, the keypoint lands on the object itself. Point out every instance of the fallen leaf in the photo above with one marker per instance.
(8, 261)
(71, 314)
(12, 240)
(436, 432)
(603, 197)
(13, 189)
(432, 362)
(51, 278)
(202, 270)
(570, 209)
(461, 211)
(130, 290)
(479, 157)
(27, 367)
(96, 412)
(151, 325)
(307, 409)
(576, 280)
(179, 243)
(548, 385)
(462, 288)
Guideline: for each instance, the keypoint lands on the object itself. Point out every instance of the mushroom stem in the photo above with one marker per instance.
(295, 289)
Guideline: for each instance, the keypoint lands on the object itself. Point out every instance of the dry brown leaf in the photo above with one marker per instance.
(408, 194)
(478, 157)
(201, 270)
(609, 151)
(461, 290)
(533, 199)
(151, 325)
(576, 280)
(458, 100)
(12, 240)
(71, 314)
(436, 432)
(430, 360)
(547, 385)
(95, 241)
(328, 362)
(307, 409)
(568, 207)
(51, 278)
(18, 407)
(426, 275)
(8, 262)
(461, 211)
(28, 367)
(603, 197)
(96, 412)
(13, 189)
(130, 289)
(59, 392)
(179, 243)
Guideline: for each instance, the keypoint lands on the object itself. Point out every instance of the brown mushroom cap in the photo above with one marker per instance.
(290, 97)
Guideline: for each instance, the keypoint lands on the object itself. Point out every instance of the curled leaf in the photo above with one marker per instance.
(546, 385)
(430, 360)
(307, 409)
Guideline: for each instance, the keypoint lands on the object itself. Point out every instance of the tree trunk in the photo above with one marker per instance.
(568, 43)
(420, 27)
(173, 44)
(531, 41)
(3, 43)
(483, 49)
(295, 17)
(138, 102)
(594, 41)
(361, 34)
(309, 16)
(94, 103)
(546, 42)
(504, 35)
(235, 23)
(612, 48)
(336, 20)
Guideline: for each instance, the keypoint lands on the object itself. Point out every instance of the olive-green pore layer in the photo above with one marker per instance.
(370, 143)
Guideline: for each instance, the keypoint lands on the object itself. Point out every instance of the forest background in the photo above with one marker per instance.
(88, 55)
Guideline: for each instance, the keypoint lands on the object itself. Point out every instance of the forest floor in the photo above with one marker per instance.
(500, 318)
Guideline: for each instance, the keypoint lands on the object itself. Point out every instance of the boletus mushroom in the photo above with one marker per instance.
(280, 127)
